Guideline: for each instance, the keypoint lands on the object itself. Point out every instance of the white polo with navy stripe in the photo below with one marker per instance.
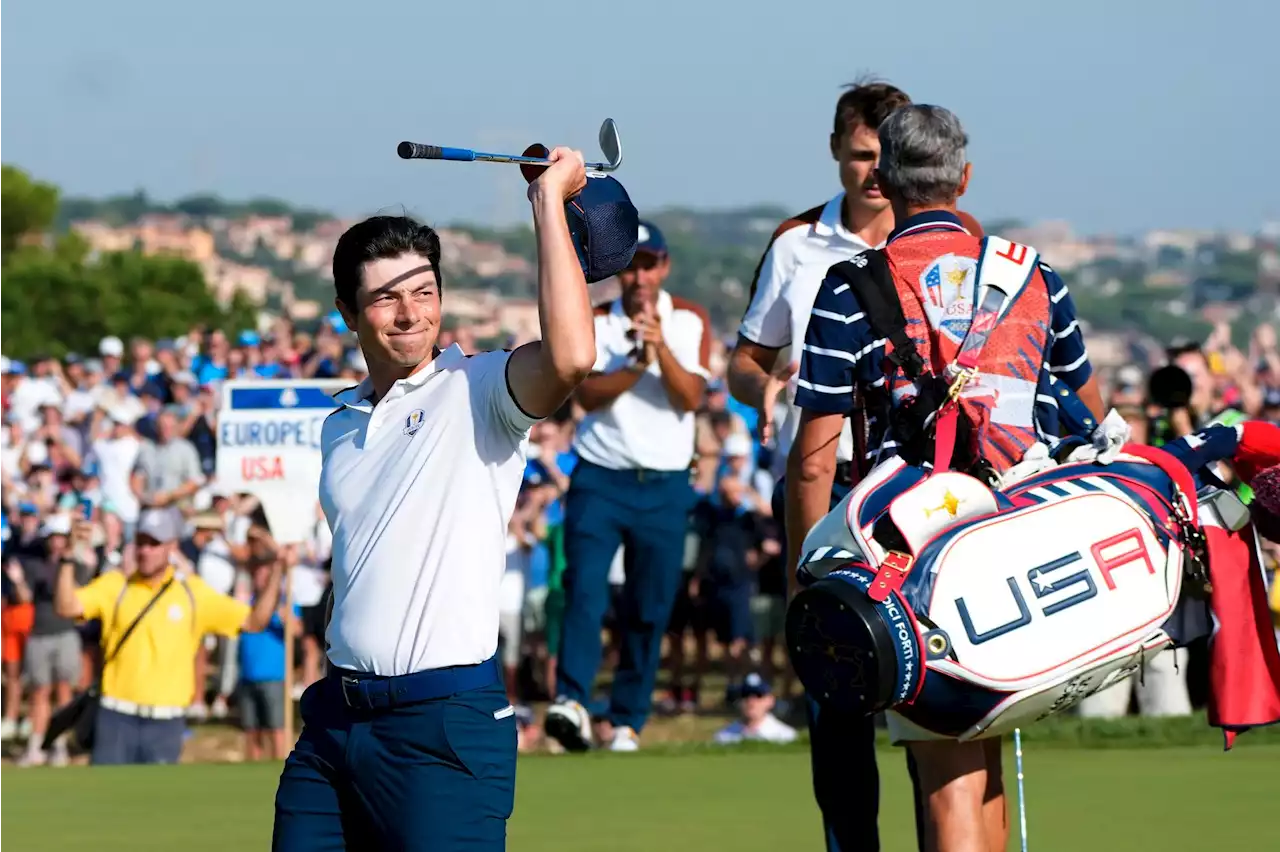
(418, 491)
(787, 280)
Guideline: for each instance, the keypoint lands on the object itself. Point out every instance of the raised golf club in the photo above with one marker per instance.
(610, 144)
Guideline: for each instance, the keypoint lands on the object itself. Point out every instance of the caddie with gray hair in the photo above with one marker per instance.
(890, 329)
(922, 157)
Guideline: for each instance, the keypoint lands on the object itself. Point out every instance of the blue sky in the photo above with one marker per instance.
(1117, 116)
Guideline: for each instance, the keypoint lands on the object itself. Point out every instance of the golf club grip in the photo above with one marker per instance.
(418, 151)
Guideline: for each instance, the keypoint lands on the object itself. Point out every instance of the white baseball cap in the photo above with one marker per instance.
(59, 524)
(160, 524)
(125, 415)
(111, 347)
(736, 445)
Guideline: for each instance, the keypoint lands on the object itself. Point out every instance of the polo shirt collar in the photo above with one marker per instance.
(664, 304)
(831, 224)
(929, 220)
(361, 395)
(164, 578)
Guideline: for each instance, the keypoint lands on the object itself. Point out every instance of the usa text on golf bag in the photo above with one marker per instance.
(971, 611)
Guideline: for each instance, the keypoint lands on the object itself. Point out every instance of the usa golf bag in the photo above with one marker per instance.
(966, 611)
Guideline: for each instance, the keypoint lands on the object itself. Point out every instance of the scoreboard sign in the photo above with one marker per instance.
(269, 446)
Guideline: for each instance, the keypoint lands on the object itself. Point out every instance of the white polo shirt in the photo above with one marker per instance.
(641, 429)
(418, 491)
(803, 248)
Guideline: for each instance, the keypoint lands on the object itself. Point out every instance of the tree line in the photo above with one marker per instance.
(60, 297)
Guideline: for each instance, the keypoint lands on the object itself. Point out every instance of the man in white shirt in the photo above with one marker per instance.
(763, 366)
(117, 456)
(632, 489)
(29, 393)
(410, 743)
(756, 722)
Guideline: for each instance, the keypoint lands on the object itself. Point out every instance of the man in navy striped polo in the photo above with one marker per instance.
(922, 171)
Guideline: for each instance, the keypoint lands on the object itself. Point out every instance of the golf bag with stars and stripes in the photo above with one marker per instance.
(966, 610)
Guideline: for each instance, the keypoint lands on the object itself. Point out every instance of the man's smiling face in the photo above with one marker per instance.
(397, 311)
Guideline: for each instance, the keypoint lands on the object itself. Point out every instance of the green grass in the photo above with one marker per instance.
(1173, 799)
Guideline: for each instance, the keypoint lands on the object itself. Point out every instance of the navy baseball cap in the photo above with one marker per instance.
(603, 222)
(754, 686)
(651, 240)
(604, 225)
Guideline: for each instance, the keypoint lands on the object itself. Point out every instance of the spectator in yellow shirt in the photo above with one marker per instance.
(149, 683)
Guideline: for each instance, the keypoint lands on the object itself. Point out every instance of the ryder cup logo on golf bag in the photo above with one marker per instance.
(969, 611)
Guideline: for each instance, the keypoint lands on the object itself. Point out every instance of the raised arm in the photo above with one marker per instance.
(542, 374)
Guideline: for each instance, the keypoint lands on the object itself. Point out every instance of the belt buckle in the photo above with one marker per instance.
(640, 474)
(347, 695)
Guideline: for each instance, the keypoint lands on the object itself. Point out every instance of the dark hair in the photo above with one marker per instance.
(379, 238)
(867, 101)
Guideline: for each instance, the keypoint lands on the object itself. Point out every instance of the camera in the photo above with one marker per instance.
(1170, 387)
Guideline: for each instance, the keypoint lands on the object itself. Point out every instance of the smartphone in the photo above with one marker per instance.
(86, 508)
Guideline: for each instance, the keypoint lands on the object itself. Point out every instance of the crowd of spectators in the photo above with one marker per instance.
(92, 441)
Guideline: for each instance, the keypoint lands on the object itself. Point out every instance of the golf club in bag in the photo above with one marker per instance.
(610, 144)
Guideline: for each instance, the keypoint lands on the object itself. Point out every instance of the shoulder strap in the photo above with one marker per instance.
(1005, 266)
(191, 598)
(129, 630)
(869, 278)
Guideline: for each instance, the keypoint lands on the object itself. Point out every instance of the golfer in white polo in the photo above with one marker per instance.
(410, 743)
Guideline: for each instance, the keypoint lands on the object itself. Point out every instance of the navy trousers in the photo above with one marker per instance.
(119, 738)
(842, 748)
(647, 512)
(435, 776)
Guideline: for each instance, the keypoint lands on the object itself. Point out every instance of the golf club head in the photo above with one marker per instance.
(611, 143)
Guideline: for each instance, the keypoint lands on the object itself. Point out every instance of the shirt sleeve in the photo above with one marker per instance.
(98, 598)
(840, 351)
(492, 393)
(767, 321)
(603, 356)
(1068, 359)
(191, 458)
(145, 461)
(216, 613)
(691, 342)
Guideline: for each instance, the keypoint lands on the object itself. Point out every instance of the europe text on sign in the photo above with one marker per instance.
(269, 446)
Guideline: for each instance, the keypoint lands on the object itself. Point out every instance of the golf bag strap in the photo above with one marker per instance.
(996, 297)
(889, 576)
(872, 284)
(1174, 470)
(975, 339)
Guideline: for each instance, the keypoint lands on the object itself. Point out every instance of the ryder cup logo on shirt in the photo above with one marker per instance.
(948, 285)
(414, 421)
